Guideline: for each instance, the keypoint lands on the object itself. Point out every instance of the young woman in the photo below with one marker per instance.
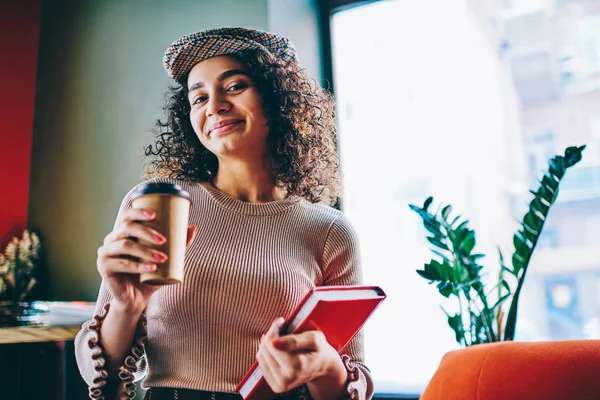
(252, 139)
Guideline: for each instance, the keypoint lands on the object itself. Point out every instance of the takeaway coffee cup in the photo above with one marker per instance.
(172, 207)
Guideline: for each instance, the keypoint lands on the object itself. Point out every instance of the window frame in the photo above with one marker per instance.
(327, 8)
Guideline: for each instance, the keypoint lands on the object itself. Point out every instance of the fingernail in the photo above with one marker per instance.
(278, 343)
(150, 267)
(159, 257)
(280, 322)
(160, 239)
(148, 213)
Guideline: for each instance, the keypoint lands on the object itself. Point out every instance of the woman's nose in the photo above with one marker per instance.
(217, 105)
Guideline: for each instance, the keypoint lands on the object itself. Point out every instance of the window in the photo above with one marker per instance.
(548, 238)
(591, 328)
(562, 307)
(428, 105)
(541, 148)
(595, 140)
(590, 40)
(506, 4)
(520, 7)
(592, 227)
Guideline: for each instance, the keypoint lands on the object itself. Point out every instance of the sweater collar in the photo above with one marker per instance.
(242, 207)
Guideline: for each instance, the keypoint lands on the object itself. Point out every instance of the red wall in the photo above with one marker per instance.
(19, 36)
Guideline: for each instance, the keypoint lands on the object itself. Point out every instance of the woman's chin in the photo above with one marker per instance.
(239, 144)
(228, 148)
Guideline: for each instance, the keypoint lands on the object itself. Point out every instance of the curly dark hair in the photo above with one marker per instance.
(302, 139)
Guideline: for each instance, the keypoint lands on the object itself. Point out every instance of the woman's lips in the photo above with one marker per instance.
(226, 128)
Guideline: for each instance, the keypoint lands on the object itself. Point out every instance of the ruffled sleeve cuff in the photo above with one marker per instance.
(100, 374)
(355, 387)
(135, 362)
(130, 365)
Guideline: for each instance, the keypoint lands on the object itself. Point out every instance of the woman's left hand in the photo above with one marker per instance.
(293, 360)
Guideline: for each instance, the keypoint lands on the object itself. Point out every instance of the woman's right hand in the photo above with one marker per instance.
(122, 257)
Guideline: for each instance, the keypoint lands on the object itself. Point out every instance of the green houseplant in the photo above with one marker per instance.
(18, 265)
(457, 272)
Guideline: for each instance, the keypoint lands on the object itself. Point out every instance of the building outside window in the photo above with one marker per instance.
(466, 101)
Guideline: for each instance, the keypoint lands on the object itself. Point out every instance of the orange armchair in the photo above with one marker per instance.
(559, 370)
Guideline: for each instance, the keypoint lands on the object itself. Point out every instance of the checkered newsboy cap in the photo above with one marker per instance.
(189, 50)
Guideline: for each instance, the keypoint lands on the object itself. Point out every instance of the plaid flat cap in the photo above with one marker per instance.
(189, 50)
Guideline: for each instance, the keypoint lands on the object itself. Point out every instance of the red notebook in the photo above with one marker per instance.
(337, 311)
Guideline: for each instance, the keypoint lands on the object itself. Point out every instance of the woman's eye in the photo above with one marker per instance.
(236, 86)
(200, 99)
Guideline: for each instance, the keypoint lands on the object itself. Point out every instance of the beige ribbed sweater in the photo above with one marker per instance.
(248, 264)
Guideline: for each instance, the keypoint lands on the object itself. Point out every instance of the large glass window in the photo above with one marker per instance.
(466, 101)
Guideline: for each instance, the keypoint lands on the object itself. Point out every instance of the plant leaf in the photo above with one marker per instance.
(446, 211)
(434, 269)
(518, 264)
(455, 322)
(437, 243)
(521, 245)
(446, 288)
(550, 184)
(525, 240)
(427, 203)
(468, 243)
(539, 206)
(573, 155)
(439, 254)
(462, 225)
(425, 274)
(455, 220)
(500, 301)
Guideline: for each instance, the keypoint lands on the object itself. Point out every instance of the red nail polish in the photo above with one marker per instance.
(159, 257)
(150, 267)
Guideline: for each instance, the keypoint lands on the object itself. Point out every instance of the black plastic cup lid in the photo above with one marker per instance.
(161, 188)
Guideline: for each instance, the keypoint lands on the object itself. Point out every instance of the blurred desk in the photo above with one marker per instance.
(38, 334)
(37, 359)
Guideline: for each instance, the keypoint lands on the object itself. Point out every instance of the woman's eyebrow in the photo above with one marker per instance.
(220, 78)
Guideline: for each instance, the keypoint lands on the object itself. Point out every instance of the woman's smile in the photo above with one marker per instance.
(223, 127)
